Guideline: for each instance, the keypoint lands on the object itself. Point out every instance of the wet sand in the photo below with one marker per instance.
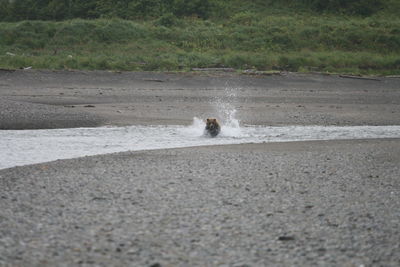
(331, 203)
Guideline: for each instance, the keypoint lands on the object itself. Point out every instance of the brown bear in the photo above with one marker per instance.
(212, 127)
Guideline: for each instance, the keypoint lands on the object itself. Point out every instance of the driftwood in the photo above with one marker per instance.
(258, 72)
(214, 69)
(359, 77)
(154, 80)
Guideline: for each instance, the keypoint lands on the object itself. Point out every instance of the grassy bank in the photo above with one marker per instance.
(246, 40)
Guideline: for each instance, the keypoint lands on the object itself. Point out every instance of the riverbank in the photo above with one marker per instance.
(307, 203)
(61, 99)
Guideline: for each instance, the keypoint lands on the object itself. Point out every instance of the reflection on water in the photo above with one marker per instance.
(21, 147)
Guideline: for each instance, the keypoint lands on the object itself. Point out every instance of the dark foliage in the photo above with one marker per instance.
(16, 10)
(350, 7)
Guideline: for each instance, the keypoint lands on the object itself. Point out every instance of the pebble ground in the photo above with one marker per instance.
(333, 203)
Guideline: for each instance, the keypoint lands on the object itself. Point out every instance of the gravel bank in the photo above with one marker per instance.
(131, 98)
(329, 203)
(19, 115)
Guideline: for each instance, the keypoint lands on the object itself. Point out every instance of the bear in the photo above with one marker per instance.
(212, 127)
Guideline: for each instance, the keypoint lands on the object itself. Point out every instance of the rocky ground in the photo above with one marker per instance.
(291, 204)
(328, 203)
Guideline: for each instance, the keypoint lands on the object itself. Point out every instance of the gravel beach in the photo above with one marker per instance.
(290, 204)
(129, 98)
(325, 203)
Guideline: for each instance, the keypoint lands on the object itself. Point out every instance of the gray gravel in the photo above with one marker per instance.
(130, 98)
(22, 115)
(330, 203)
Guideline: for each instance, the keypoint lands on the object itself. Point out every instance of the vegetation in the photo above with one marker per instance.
(348, 36)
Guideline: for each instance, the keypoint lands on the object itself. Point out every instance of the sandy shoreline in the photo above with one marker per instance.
(331, 203)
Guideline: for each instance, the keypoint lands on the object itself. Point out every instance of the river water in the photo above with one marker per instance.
(22, 147)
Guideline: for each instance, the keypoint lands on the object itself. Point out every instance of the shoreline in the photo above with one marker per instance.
(254, 145)
(219, 72)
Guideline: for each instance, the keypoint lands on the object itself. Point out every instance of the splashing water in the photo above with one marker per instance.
(21, 147)
(232, 129)
(225, 107)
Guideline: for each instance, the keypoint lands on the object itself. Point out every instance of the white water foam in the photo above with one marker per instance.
(21, 147)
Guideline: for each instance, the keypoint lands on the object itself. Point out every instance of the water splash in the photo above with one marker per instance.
(231, 129)
(226, 109)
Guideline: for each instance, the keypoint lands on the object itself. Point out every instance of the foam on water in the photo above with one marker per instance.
(231, 129)
(21, 147)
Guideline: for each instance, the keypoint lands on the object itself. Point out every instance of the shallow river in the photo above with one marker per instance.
(21, 147)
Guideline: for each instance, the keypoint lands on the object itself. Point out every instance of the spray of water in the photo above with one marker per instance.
(196, 129)
(226, 110)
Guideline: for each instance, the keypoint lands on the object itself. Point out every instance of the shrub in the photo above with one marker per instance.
(351, 7)
(200, 8)
(167, 20)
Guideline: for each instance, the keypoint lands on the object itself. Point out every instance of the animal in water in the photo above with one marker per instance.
(212, 127)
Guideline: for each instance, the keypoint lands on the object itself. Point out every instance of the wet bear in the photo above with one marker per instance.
(212, 127)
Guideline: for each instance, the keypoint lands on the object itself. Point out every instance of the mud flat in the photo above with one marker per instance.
(38, 99)
(331, 203)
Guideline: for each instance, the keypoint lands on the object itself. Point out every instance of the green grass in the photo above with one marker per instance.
(246, 40)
